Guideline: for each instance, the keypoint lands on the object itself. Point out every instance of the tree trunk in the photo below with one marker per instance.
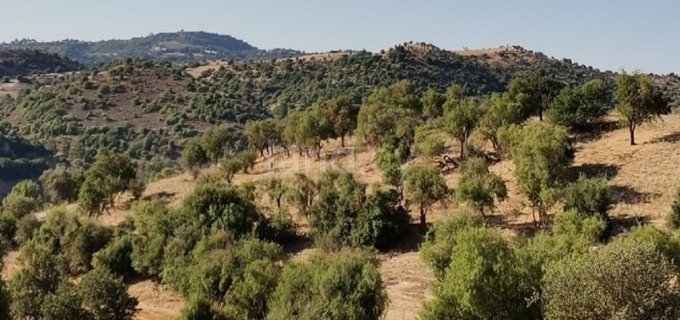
(423, 218)
(462, 148)
(631, 128)
(278, 202)
(342, 139)
(540, 115)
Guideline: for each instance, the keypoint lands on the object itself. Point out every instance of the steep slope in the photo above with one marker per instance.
(182, 47)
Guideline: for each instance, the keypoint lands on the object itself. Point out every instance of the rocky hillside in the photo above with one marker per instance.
(180, 47)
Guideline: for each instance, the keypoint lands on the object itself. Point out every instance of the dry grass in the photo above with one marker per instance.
(643, 180)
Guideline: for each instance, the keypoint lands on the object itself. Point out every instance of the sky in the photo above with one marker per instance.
(608, 34)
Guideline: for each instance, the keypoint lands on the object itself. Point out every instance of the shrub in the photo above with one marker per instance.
(382, 221)
(579, 106)
(105, 297)
(588, 196)
(23, 199)
(674, 217)
(8, 229)
(479, 186)
(623, 280)
(115, 257)
(279, 227)
(481, 282)
(346, 285)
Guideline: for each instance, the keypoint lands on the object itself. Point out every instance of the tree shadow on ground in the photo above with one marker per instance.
(163, 195)
(620, 225)
(411, 240)
(594, 170)
(628, 195)
(670, 138)
(594, 131)
(525, 229)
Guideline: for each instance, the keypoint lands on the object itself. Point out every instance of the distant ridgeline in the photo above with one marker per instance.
(147, 109)
(178, 47)
(20, 160)
(25, 62)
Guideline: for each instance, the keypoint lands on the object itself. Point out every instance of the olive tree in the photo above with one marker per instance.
(479, 187)
(424, 186)
(461, 118)
(638, 101)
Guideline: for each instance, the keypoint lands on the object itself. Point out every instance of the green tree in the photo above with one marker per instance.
(638, 101)
(388, 115)
(61, 184)
(389, 161)
(23, 199)
(623, 280)
(110, 175)
(461, 118)
(534, 93)
(341, 115)
(542, 155)
(579, 106)
(194, 157)
(230, 167)
(481, 281)
(276, 189)
(588, 196)
(424, 186)
(217, 141)
(301, 193)
(480, 187)
(256, 134)
(428, 142)
(500, 111)
(433, 103)
(105, 296)
(345, 285)
(63, 304)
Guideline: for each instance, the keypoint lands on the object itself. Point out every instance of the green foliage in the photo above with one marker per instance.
(427, 142)
(673, 218)
(200, 309)
(222, 207)
(346, 285)
(480, 187)
(623, 280)
(8, 229)
(424, 186)
(71, 240)
(105, 296)
(230, 167)
(194, 157)
(461, 118)
(389, 161)
(110, 175)
(638, 101)
(500, 111)
(433, 103)
(579, 106)
(388, 116)
(482, 281)
(440, 240)
(542, 155)
(276, 189)
(301, 193)
(382, 221)
(588, 196)
(23, 199)
(63, 304)
(115, 257)
(534, 93)
(61, 184)
(279, 227)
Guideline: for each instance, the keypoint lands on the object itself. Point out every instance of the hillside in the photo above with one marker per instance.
(181, 47)
(147, 109)
(25, 62)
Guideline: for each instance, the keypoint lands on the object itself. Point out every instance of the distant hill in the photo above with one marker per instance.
(180, 47)
(147, 109)
(24, 62)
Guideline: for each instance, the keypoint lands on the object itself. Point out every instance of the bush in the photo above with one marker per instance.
(623, 280)
(8, 229)
(340, 286)
(26, 228)
(61, 185)
(674, 217)
(482, 281)
(382, 221)
(23, 199)
(579, 106)
(115, 257)
(588, 196)
(279, 228)
(105, 297)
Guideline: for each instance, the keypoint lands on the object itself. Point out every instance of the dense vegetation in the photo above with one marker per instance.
(16, 63)
(182, 47)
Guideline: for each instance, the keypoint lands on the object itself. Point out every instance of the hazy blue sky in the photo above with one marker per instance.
(609, 34)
